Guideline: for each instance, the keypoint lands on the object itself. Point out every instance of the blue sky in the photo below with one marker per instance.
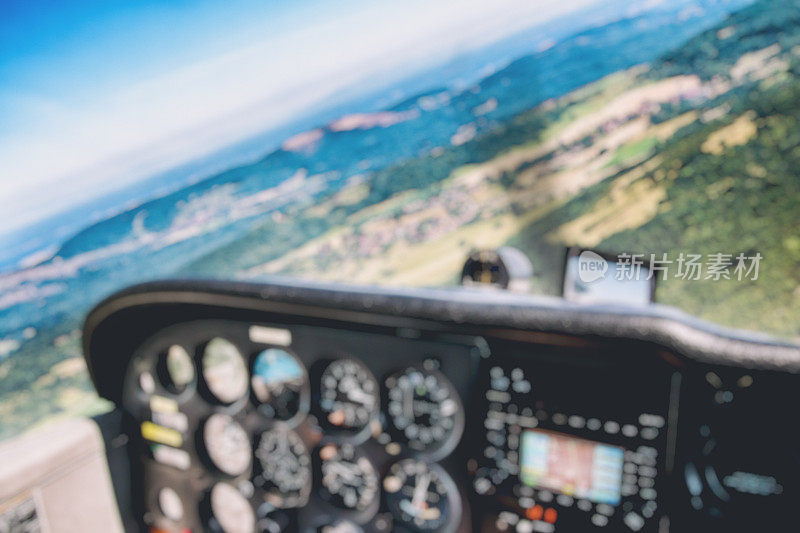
(87, 47)
(96, 94)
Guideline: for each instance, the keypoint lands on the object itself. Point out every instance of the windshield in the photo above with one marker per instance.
(381, 143)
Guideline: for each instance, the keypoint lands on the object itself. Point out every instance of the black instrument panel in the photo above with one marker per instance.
(325, 417)
(582, 433)
(312, 418)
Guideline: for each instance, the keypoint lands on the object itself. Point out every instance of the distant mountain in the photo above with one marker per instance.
(574, 143)
(698, 153)
(523, 84)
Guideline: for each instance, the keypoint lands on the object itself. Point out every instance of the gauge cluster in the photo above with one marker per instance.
(245, 428)
(285, 407)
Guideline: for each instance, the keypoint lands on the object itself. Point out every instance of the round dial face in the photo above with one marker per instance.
(284, 469)
(231, 510)
(349, 480)
(348, 395)
(227, 444)
(170, 504)
(224, 370)
(424, 409)
(422, 497)
(280, 384)
(177, 368)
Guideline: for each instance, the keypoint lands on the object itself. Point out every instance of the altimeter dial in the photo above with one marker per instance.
(424, 410)
(283, 469)
(422, 497)
(348, 395)
(348, 479)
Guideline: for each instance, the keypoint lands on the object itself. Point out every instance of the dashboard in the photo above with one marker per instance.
(303, 407)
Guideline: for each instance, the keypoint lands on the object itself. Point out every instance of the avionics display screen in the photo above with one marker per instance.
(571, 466)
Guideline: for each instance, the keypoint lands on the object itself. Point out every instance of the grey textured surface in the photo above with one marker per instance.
(474, 311)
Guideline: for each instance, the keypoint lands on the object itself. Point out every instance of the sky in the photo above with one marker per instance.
(97, 94)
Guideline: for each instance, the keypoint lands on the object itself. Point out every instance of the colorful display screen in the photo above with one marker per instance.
(571, 466)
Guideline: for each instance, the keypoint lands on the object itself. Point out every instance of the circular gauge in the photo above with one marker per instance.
(280, 384)
(224, 370)
(176, 368)
(348, 480)
(284, 469)
(227, 444)
(424, 410)
(231, 511)
(422, 497)
(348, 395)
(170, 504)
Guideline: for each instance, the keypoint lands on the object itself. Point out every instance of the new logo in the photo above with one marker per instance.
(591, 267)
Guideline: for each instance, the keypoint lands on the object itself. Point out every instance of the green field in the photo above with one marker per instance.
(697, 153)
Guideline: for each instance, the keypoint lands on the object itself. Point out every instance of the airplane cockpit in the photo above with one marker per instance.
(412, 267)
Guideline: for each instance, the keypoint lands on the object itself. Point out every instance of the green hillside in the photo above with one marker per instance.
(697, 154)
(740, 194)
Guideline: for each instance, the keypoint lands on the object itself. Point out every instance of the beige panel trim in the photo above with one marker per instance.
(63, 467)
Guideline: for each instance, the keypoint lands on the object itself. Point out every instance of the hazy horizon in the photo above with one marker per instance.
(90, 107)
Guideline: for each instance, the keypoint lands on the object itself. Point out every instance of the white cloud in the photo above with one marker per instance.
(68, 153)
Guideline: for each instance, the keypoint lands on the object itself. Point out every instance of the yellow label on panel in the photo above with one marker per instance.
(163, 405)
(156, 433)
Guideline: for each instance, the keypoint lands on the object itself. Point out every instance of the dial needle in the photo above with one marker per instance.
(420, 490)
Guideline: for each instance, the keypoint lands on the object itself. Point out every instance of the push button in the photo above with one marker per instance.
(534, 513)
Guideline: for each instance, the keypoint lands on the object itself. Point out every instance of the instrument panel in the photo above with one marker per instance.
(304, 418)
(250, 427)
(574, 437)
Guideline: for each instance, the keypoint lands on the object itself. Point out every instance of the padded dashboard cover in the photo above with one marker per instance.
(115, 327)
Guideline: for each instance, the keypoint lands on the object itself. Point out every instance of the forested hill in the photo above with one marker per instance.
(696, 150)
(697, 153)
(365, 144)
(715, 51)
